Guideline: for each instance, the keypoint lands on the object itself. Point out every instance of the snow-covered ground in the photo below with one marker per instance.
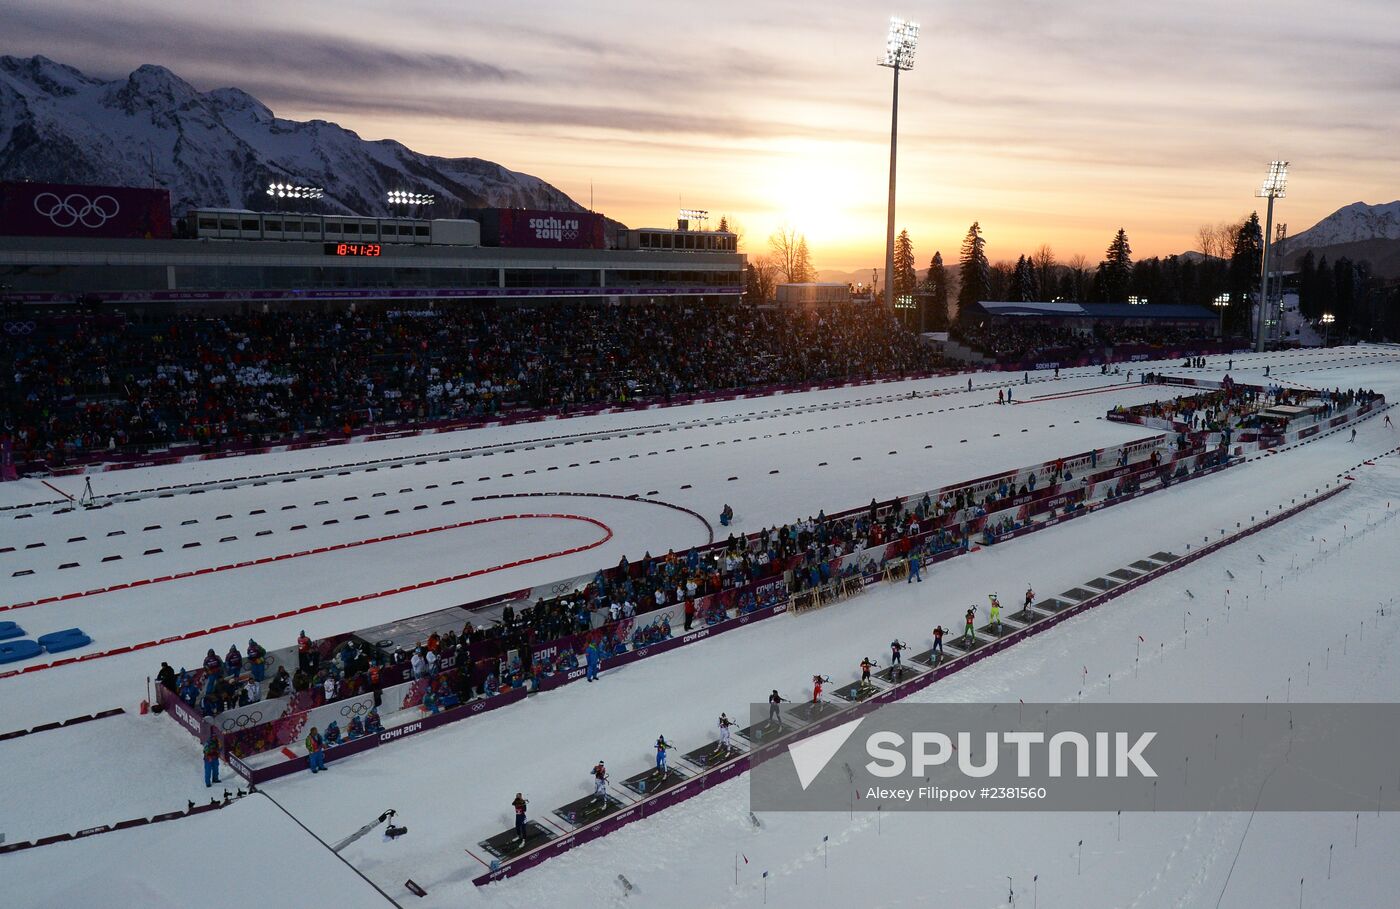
(831, 449)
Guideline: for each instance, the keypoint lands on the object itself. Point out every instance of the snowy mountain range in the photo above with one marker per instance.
(222, 147)
(1359, 232)
(1352, 224)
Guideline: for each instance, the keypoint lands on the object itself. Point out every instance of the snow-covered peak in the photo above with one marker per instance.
(40, 74)
(221, 148)
(1350, 224)
(239, 101)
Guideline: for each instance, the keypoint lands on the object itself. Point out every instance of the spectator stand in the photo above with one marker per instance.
(492, 667)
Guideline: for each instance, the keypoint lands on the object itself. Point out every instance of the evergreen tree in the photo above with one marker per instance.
(1023, 283)
(1324, 289)
(973, 270)
(724, 223)
(1245, 262)
(936, 284)
(1344, 280)
(1116, 270)
(803, 268)
(905, 278)
(1307, 286)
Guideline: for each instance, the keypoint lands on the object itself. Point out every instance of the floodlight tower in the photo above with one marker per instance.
(1274, 185)
(900, 45)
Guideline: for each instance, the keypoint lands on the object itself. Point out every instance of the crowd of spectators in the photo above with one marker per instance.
(1020, 339)
(88, 384)
(1235, 407)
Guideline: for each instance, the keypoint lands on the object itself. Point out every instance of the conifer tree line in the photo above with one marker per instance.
(1227, 266)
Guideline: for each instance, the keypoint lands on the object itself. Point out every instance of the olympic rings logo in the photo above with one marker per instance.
(358, 708)
(19, 328)
(251, 718)
(76, 208)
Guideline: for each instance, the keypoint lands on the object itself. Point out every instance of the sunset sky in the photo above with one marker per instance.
(1049, 121)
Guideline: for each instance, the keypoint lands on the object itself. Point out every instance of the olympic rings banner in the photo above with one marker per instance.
(61, 210)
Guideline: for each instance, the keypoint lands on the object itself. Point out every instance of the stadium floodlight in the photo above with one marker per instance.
(1273, 188)
(1221, 303)
(1276, 183)
(900, 45)
(408, 197)
(294, 191)
(1327, 320)
(694, 214)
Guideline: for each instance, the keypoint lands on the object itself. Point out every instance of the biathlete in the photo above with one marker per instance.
(519, 806)
(725, 724)
(775, 712)
(600, 782)
(662, 746)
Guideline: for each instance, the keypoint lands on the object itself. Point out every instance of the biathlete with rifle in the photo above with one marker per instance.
(600, 782)
(662, 746)
(725, 724)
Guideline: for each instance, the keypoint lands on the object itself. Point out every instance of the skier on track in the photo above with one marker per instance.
(970, 633)
(1353, 435)
(600, 782)
(995, 611)
(519, 806)
(725, 723)
(915, 563)
(662, 746)
(938, 632)
(775, 712)
(1388, 424)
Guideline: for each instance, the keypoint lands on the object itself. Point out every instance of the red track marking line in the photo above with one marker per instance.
(56, 598)
(478, 858)
(607, 535)
(1079, 394)
(57, 490)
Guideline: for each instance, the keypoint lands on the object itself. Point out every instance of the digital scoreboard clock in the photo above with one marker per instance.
(353, 249)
